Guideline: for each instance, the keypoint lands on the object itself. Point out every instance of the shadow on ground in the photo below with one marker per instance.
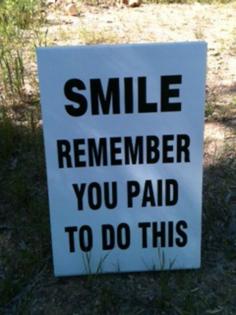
(27, 285)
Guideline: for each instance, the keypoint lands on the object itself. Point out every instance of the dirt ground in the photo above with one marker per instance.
(211, 290)
(154, 23)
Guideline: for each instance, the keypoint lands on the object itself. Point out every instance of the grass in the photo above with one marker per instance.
(215, 111)
(92, 37)
(26, 281)
(19, 23)
(22, 178)
(23, 202)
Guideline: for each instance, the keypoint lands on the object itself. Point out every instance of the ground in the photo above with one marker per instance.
(27, 284)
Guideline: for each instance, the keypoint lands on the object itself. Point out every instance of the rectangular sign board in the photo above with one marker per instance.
(123, 132)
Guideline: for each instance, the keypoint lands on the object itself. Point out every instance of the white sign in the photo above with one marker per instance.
(123, 129)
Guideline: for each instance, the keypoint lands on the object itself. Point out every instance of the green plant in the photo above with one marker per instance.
(209, 109)
(20, 15)
(18, 21)
(12, 71)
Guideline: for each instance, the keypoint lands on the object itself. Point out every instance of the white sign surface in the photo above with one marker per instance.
(123, 130)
